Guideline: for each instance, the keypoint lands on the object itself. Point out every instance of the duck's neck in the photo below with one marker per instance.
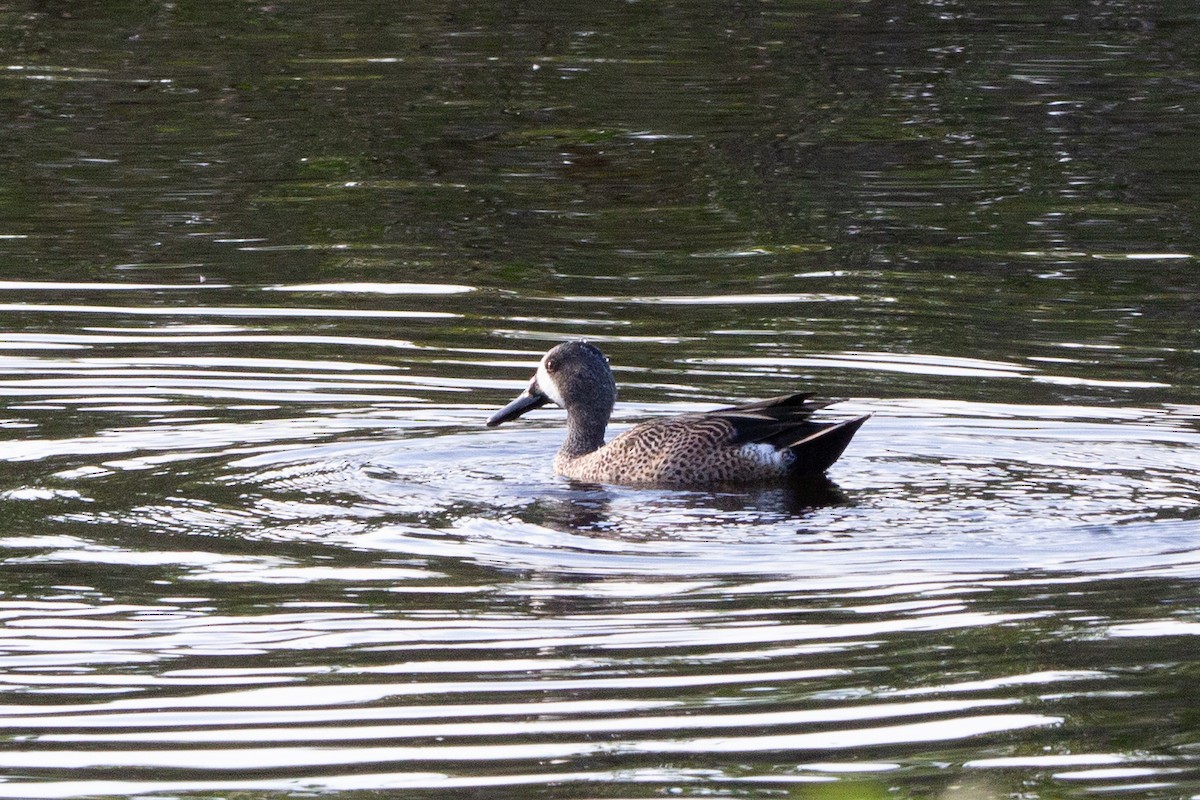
(585, 433)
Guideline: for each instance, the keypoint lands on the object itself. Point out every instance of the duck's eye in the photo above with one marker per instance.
(551, 365)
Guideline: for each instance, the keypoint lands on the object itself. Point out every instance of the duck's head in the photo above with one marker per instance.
(574, 375)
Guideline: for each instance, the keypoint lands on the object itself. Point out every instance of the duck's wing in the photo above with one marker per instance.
(779, 421)
(785, 403)
(784, 422)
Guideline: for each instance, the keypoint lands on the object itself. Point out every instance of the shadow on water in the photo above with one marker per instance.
(589, 506)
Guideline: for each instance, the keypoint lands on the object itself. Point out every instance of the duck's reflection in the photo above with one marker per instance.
(619, 510)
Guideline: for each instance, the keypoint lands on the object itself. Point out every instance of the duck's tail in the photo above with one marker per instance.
(817, 451)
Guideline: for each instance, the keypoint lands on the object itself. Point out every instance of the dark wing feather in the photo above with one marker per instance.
(778, 420)
(785, 402)
(784, 423)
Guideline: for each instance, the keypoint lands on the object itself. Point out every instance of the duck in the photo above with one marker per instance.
(769, 441)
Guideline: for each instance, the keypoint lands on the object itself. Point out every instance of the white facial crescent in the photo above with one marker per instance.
(547, 384)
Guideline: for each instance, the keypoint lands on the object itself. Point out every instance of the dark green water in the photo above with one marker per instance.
(266, 268)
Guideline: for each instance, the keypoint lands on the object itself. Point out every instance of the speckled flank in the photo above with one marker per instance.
(687, 450)
(761, 442)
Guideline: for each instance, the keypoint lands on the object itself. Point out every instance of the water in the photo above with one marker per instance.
(266, 269)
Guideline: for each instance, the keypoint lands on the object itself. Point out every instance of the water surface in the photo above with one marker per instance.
(266, 270)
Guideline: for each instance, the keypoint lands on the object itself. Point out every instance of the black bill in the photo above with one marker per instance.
(528, 400)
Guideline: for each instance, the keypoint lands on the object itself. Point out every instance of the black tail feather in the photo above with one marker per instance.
(816, 452)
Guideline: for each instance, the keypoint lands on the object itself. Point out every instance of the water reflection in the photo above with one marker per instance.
(598, 509)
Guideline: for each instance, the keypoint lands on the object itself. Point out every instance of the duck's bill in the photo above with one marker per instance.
(528, 400)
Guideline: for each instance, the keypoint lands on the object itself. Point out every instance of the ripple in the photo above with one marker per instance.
(43, 286)
(265, 758)
(947, 366)
(375, 288)
(621, 724)
(716, 299)
(223, 311)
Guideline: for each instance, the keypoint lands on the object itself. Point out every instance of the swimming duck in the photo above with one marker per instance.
(768, 441)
